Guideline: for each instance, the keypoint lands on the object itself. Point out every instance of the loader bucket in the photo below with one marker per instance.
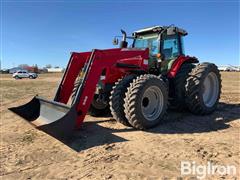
(54, 118)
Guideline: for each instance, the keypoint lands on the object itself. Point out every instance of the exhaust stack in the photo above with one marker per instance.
(124, 43)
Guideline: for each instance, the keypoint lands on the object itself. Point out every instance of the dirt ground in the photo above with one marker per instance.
(104, 149)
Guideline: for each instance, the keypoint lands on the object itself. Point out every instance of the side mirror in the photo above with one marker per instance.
(115, 41)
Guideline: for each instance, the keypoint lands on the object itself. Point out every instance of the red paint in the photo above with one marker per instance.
(102, 59)
(76, 63)
(178, 63)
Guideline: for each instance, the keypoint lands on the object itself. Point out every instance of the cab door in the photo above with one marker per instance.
(171, 47)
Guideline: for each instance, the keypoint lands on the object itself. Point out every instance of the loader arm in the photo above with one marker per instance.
(75, 64)
(56, 117)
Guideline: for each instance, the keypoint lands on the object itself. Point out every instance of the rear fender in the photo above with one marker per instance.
(178, 63)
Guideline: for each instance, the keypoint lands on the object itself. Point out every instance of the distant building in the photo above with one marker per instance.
(43, 70)
(4, 71)
(33, 69)
(55, 70)
(223, 68)
(228, 68)
(15, 69)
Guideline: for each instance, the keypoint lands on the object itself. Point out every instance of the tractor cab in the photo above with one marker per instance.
(165, 44)
(166, 41)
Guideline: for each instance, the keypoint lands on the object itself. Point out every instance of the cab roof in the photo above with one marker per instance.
(155, 29)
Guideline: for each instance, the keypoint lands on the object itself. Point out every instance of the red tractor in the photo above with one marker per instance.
(136, 83)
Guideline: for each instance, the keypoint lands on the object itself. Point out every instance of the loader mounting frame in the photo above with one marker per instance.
(56, 117)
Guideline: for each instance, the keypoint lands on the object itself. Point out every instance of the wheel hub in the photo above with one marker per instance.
(210, 89)
(152, 103)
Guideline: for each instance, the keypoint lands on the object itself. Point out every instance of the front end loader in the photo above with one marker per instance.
(56, 117)
(134, 83)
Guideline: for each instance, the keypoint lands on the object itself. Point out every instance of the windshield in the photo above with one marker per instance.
(150, 41)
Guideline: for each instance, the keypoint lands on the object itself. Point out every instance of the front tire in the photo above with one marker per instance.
(203, 89)
(146, 101)
(117, 99)
(98, 108)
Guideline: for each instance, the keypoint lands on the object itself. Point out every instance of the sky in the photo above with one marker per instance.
(45, 32)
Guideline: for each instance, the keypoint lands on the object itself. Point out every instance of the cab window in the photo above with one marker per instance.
(148, 41)
(171, 47)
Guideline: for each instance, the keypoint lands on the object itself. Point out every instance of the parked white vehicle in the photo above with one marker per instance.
(24, 74)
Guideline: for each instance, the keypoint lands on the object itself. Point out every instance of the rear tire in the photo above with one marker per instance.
(146, 101)
(178, 100)
(31, 77)
(203, 89)
(117, 99)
